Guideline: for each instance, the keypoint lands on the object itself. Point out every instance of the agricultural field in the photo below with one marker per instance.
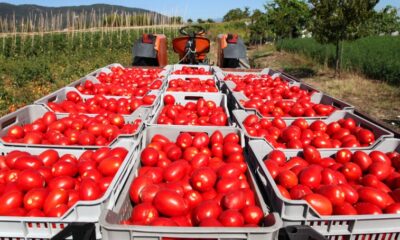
(375, 57)
(33, 65)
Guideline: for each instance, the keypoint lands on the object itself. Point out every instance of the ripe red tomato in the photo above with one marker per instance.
(344, 209)
(234, 200)
(310, 176)
(320, 203)
(252, 215)
(176, 171)
(57, 211)
(110, 166)
(351, 194)
(311, 154)
(64, 168)
(351, 171)
(225, 185)
(149, 157)
(89, 190)
(169, 99)
(375, 196)
(10, 200)
(48, 157)
(361, 159)
(343, 156)
(27, 162)
(206, 209)
(203, 179)
(299, 191)
(35, 198)
(367, 208)
(29, 179)
(287, 179)
(231, 218)
(277, 156)
(380, 170)
(184, 140)
(170, 203)
(144, 214)
(54, 198)
(334, 193)
(393, 208)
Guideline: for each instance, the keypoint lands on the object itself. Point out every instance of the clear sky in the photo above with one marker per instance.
(187, 8)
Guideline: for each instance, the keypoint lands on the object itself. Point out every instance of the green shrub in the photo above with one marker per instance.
(376, 57)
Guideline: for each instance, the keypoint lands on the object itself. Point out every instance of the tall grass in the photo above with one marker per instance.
(376, 57)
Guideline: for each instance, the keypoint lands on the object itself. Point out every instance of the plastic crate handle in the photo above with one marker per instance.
(299, 233)
(193, 98)
(8, 122)
(78, 231)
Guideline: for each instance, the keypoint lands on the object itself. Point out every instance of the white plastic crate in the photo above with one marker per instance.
(60, 95)
(121, 209)
(380, 133)
(185, 97)
(299, 212)
(317, 98)
(82, 211)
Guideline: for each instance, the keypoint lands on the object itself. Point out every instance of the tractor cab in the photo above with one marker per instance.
(193, 46)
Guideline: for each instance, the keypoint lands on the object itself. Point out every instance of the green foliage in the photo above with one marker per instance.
(287, 18)
(338, 20)
(200, 21)
(386, 21)
(259, 28)
(189, 20)
(209, 20)
(375, 57)
(237, 14)
(31, 67)
(238, 27)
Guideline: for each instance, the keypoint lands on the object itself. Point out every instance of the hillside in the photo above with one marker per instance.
(7, 10)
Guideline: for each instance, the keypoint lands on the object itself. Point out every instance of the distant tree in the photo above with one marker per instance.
(385, 21)
(237, 14)
(258, 27)
(189, 21)
(287, 18)
(199, 20)
(246, 12)
(210, 20)
(337, 20)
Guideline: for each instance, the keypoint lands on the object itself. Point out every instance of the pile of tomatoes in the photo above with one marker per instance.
(139, 88)
(343, 133)
(192, 71)
(49, 184)
(198, 180)
(267, 88)
(348, 183)
(99, 104)
(192, 85)
(202, 112)
(302, 107)
(129, 75)
(75, 129)
(123, 82)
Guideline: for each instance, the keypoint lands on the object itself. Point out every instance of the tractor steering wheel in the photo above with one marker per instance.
(192, 30)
